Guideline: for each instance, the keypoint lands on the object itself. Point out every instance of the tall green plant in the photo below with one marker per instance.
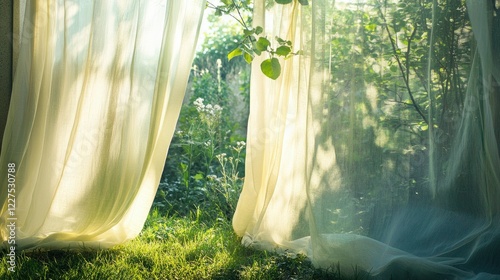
(194, 177)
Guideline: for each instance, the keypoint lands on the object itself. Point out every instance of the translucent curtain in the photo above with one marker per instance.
(96, 97)
(377, 150)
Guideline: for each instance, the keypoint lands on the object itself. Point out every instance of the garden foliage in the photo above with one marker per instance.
(205, 164)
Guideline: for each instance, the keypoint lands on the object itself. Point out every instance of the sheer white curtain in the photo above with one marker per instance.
(377, 150)
(96, 96)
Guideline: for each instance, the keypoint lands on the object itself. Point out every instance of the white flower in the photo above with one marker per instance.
(221, 157)
(199, 104)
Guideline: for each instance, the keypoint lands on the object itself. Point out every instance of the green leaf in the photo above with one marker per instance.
(262, 44)
(248, 57)
(234, 53)
(271, 67)
(184, 167)
(248, 32)
(283, 1)
(198, 177)
(371, 27)
(393, 68)
(255, 50)
(304, 2)
(283, 50)
(280, 41)
(259, 30)
(227, 2)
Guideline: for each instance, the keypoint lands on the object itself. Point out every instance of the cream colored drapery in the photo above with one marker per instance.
(377, 150)
(96, 97)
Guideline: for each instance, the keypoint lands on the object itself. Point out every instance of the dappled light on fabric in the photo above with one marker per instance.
(377, 150)
(96, 96)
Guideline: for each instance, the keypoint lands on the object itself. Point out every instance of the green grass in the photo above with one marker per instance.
(168, 248)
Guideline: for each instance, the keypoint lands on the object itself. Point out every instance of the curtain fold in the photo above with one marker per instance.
(96, 96)
(373, 151)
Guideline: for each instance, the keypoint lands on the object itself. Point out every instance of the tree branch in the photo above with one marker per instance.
(404, 73)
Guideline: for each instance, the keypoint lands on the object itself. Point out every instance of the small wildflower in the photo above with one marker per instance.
(198, 103)
(212, 177)
(221, 157)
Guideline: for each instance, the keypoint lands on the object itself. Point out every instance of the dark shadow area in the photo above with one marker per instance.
(6, 53)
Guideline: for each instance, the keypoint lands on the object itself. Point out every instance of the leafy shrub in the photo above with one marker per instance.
(204, 167)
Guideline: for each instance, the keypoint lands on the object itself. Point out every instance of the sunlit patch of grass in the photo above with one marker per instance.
(168, 248)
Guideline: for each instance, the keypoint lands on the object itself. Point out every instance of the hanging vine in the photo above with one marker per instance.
(253, 42)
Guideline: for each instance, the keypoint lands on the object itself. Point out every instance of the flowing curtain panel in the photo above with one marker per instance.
(377, 150)
(96, 96)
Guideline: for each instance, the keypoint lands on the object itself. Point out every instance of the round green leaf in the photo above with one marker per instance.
(283, 50)
(258, 30)
(262, 44)
(271, 67)
(284, 1)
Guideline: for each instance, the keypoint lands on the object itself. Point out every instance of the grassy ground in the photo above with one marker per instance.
(168, 248)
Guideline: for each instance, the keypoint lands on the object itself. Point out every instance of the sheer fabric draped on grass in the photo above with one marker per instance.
(96, 96)
(378, 149)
